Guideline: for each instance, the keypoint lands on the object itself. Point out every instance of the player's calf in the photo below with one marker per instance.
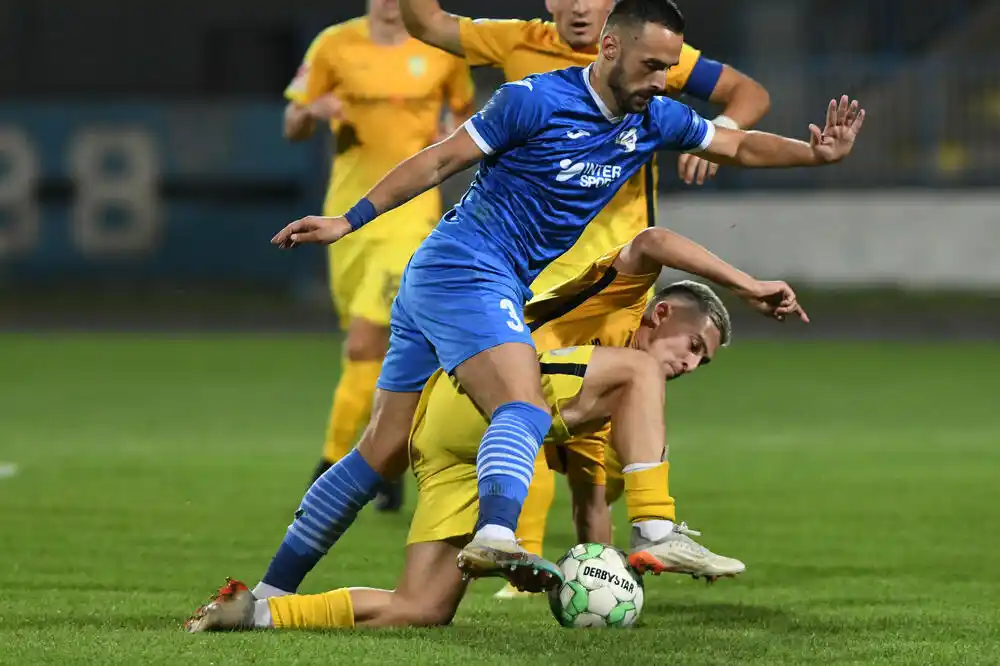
(658, 543)
(333, 502)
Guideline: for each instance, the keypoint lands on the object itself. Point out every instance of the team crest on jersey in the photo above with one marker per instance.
(417, 66)
(627, 139)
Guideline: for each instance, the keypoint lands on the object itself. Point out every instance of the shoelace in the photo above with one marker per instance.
(685, 530)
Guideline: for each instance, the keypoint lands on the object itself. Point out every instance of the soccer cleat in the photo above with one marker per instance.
(508, 591)
(679, 553)
(230, 609)
(390, 496)
(525, 571)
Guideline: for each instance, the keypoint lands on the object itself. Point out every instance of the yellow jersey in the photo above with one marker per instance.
(521, 48)
(599, 307)
(444, 443)
(393, 97)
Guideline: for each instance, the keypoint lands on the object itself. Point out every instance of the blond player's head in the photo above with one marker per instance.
(579, 22)
(642, 39)
(683, 327)
(385, 11)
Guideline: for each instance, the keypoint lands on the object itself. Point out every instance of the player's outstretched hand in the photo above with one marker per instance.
(694, 169)
(312, 229)
(843, 123)
(775, 299)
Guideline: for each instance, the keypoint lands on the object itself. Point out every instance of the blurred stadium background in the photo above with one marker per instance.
(142, 173)
(142, 168)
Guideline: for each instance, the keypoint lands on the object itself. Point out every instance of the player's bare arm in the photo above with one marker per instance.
(763, 150)
(627, 386)
(657, 248)
(425, 20)
(300, 119)
(425, 170)
(744, 102)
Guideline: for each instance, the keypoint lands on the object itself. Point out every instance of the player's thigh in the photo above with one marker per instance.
(366, 340)
(371, 302)
(384, 442)
(476, 326)
(506, 373)
(411, 358)
(431, 586)
(408, 364)
(346, 271)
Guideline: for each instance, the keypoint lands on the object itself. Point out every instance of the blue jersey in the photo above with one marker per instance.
(555, 156)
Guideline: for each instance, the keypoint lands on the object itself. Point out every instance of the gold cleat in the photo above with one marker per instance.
(525, 571)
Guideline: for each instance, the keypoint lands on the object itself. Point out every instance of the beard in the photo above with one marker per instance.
(629, 101)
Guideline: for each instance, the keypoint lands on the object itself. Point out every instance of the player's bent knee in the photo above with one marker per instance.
(406, 612)
(366, 341)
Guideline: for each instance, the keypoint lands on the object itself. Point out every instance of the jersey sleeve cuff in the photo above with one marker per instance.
(706, 140)
(477, 138)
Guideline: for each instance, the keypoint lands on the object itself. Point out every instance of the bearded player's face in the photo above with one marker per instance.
(640, 58)
(579, 22)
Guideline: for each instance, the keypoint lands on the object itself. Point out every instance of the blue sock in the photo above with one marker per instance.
(329, 507)
(506, 461)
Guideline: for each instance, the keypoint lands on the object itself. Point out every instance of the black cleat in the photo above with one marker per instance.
(390, 497)
(323, 465)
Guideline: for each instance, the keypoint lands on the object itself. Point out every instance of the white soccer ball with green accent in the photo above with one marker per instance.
(600, 588)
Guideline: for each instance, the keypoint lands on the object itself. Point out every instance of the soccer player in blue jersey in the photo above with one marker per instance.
(554, 148)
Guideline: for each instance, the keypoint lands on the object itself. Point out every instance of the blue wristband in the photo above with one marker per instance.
(361, 214)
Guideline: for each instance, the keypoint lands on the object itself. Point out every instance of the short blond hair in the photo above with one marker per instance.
(702, 297)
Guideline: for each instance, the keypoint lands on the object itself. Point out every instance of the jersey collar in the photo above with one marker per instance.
(605, 111)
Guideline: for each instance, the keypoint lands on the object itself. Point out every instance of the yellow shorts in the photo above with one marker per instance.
(444, 442)
(581, 459)
(364, 276)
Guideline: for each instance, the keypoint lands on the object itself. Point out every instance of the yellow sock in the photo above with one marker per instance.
(531, 524)
(647, 494)
(352, 407)
(330, 610)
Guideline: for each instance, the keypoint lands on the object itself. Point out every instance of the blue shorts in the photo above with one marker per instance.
(445, 315)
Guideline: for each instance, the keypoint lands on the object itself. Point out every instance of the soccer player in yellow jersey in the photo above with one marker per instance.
(678, 332)
(383, 94)
(521, 48)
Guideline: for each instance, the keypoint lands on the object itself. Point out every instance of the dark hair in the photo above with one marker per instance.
(640, 12)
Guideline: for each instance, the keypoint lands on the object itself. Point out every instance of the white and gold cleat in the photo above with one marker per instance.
(508, 591)
(231, 609)
(507, 559)
(679, 553)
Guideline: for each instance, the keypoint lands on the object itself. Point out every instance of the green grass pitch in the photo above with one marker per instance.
(858, 481)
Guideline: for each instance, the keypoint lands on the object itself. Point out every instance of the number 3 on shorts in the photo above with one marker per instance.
(515, 322)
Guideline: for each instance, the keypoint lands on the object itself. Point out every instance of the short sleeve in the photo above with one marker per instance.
(679, 126)
(488, 41)
(695, 75)
(315, 76)
(460, 92)
(679, 74)
(513, 115)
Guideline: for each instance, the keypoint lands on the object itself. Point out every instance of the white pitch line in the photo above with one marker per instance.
(8, 470)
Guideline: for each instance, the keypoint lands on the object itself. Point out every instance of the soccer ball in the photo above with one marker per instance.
(600, 588)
